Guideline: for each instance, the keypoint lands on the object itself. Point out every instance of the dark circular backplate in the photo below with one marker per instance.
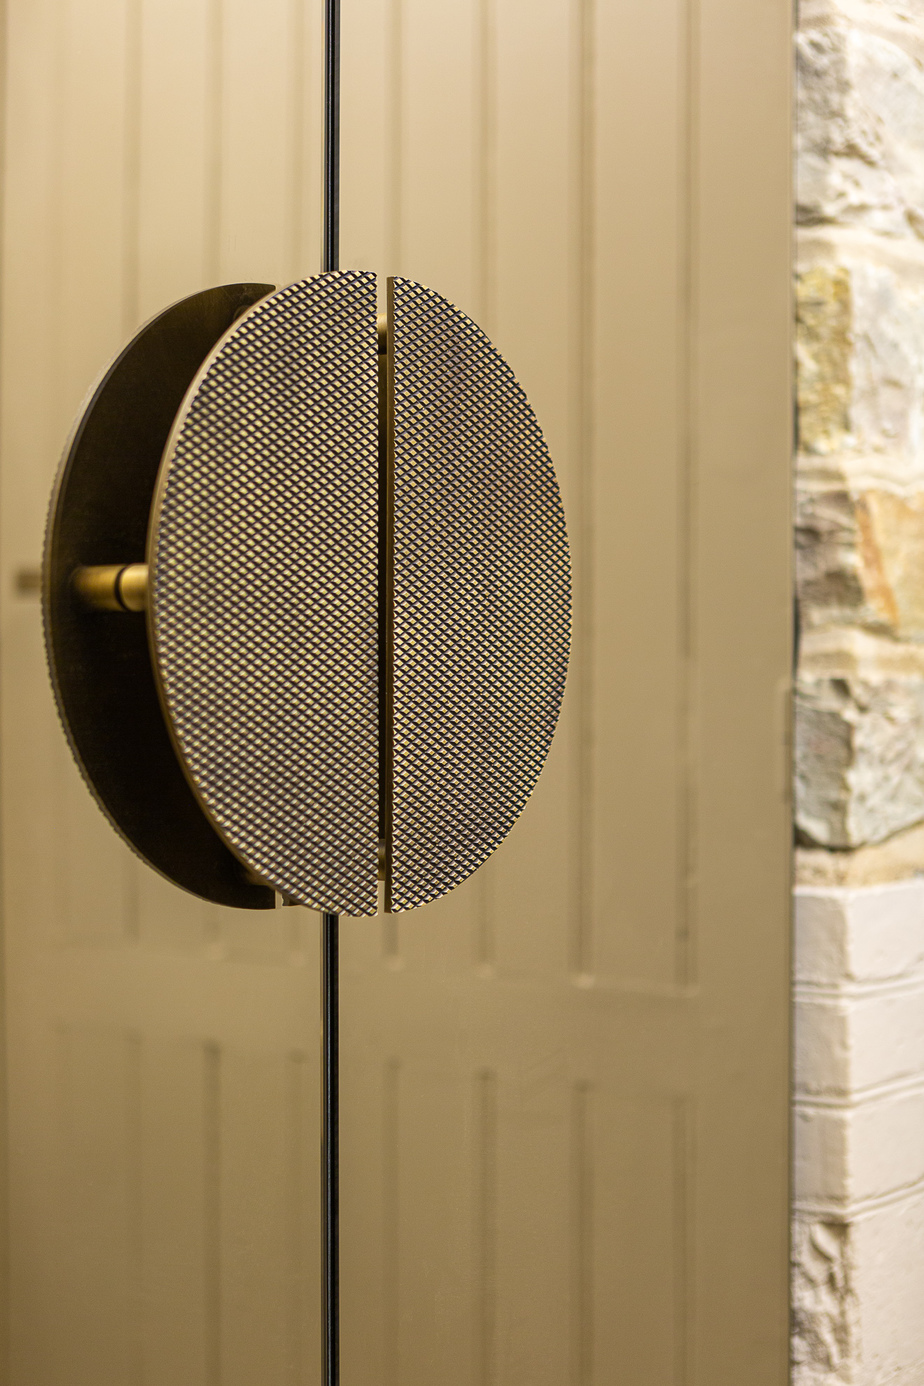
(100, 661)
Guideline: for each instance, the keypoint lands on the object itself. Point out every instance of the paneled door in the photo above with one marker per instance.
(565, 1088)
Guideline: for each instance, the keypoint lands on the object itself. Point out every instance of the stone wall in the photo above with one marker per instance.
(859, 1124)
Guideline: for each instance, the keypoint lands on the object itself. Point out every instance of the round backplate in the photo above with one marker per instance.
(100, 661)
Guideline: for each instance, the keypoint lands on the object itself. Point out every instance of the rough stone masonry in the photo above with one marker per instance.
(858, 1242)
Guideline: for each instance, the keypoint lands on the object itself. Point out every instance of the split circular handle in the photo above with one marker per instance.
(307, 594)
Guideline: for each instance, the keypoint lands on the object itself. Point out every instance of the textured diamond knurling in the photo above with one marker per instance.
(482, 598)
(264, 590)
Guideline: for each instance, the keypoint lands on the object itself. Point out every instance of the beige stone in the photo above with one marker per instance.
(860, 372)
(860, 560)
(860, 112)
(823, 346)
(892, 547)
(900, 858)
(848, 652)
(859, 759)
(838, 579)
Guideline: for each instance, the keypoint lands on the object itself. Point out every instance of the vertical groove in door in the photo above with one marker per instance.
(131, 903)
(685, 939)
(214, 79)
(296, 1229)
(390, 939)
(54, 345)
(486, 165)
(582, 1243)
(132, 173)
(485, 932)
(485, 249)
(134, 1196)
(486, 1226)
(394, 125)
(391, 1230)
(684, 1168)
(5, 1249)
(582, 550)
(211, 1171)
(298, 120)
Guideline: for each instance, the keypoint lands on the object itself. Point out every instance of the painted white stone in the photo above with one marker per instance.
(858, 1236)
(849, 1154)
(854, 1043)
(866, 934)
(823, 1046)
(821, 1158)
(886, 1033)
(887, 1280)
(858, 1291)
(825, 1339)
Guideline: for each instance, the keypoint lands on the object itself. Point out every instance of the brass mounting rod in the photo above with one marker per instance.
(113, 586)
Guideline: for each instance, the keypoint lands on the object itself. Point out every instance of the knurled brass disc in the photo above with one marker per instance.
(263, 613)
(481, 605)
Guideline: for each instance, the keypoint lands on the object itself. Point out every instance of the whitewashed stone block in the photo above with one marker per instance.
(825, 1308)
(887, 1280)
(858, 1243)
(871, 934)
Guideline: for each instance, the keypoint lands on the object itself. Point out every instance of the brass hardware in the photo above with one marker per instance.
(101, 668)
(113, 586)
(262, 542)
(311, 487)
(479, 603)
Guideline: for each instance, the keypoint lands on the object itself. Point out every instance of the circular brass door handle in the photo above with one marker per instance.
(348, 545)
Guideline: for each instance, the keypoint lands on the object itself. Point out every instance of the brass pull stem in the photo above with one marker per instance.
(113, 586)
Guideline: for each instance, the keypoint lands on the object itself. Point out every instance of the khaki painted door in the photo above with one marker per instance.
(565, 1088)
